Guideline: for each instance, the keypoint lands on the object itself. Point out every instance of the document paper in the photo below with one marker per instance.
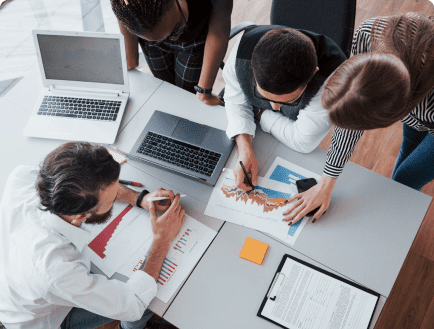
(309, 299)
(288, 173)
(122, 244)
(261, 209)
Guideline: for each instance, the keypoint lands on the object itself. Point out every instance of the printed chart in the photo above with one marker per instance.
(269, 199)
(261, 209)
(115, 241)
(184, 252)
(286, 172)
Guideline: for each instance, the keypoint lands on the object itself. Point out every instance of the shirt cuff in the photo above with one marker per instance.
(268, 119)
(144, 286)
(332, 171)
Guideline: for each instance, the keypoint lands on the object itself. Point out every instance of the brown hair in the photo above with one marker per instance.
(374, 90)
(72, 176)
(283, 61)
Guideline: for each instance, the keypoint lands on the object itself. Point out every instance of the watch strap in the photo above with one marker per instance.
(140, 198)
(202, 91)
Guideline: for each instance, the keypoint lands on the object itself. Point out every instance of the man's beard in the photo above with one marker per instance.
(99, 219)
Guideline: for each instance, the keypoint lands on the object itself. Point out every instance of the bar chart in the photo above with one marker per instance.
(167, 270)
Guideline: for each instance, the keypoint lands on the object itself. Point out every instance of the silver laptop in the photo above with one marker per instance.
(85, 81)
(184, 146)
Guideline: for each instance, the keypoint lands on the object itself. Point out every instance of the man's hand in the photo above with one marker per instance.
(247, 156)
(167, 226)
(159, 206)
(317, 196)
(210, 99)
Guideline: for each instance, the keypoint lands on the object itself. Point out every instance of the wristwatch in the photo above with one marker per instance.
(140, 198)
(202, 91)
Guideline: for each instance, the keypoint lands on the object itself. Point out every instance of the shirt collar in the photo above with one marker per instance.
(79, 237)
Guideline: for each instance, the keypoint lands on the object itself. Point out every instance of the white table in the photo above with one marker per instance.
(364, 236)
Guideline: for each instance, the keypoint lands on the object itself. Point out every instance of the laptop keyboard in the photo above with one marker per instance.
(179, 153)
(84, 108)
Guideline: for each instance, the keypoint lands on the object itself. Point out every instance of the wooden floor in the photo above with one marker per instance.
(411, 302)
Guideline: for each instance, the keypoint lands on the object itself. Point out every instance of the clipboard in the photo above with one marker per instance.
(279, 278)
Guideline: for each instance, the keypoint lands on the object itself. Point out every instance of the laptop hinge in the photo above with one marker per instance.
(111, 92)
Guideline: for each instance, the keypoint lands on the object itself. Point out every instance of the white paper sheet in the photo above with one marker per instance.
(286, 172)
(123, 244)
(309, 299)
(261, 209)
(114, 242)
(185, 251)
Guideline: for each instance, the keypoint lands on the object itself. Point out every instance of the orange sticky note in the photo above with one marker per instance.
(254, 250)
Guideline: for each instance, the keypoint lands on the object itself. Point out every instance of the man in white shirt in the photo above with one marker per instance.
(275, 75)
(44, 281)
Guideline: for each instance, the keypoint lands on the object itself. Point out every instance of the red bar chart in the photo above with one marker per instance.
(167, 270)
(99, 243)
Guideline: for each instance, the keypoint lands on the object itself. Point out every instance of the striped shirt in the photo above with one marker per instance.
(344, 140)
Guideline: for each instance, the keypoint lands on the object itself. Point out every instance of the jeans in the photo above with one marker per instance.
(79, 318)
(414, 166)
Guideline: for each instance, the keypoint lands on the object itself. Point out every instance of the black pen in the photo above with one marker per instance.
(247, 176)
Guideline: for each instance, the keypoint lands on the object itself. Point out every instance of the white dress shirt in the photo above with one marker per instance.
(302, 135)
(42, 273)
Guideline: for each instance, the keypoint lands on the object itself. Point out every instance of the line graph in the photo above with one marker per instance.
(269, 199)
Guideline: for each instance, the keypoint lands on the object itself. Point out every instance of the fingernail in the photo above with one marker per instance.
(290, 223)
(283, 219)
(314, 220)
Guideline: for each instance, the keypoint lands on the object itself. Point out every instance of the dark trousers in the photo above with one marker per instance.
(179, 63)
(414, 166)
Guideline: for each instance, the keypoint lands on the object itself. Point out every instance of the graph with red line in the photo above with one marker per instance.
(99, 243)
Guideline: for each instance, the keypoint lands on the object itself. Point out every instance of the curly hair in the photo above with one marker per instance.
(140, 16)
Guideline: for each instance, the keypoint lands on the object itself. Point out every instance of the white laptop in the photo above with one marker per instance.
(85, 81)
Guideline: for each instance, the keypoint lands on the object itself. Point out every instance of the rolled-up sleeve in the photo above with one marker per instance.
(304, 134)
(239, 111)
(97, 294)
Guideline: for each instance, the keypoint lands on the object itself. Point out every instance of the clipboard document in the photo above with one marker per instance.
(302, 296)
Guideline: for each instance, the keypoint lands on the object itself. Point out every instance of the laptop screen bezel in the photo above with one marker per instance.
(80, 84)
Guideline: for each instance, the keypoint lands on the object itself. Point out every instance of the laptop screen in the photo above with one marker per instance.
(85, 59)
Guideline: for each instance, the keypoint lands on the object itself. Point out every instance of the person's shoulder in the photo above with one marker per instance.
(366, 27)
(24, 173)
(21, 181)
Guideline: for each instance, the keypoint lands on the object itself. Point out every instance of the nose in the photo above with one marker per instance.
(275, 106)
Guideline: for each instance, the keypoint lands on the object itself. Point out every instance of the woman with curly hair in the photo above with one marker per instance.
(184, 41)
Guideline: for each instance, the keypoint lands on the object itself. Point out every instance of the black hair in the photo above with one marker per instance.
(140, 16)
(72, 176)
(283, 61)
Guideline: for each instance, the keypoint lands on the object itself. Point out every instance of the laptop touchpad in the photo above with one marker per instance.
(60, 126)
(190, 131)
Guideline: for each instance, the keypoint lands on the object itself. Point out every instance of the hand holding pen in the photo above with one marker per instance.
(247, 175)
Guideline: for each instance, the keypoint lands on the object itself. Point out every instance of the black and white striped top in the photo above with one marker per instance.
(344, 140)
